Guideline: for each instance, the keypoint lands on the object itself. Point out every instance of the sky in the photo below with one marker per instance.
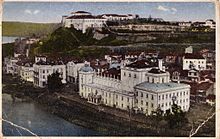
(52, 12)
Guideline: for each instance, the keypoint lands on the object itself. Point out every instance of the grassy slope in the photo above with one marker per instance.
(27, 29)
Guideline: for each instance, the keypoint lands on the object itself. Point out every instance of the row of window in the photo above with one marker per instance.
(129, 75)
(194, 61)
(165, 96)
(146, 104)
(169, 104)
(142, 95)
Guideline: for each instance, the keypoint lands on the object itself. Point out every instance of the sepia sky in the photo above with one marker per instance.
(47, 12)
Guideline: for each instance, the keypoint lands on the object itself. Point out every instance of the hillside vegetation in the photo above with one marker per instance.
(23, 29)
(68, 40)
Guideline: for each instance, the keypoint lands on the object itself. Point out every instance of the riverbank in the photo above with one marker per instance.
(109, 121)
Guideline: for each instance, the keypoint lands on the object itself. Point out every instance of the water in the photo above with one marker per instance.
(8, 39)
(40, 122)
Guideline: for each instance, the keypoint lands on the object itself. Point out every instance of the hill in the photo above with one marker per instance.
(23, 29)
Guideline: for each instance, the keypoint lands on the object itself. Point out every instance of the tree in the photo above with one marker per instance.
(54, 82)
(176, 117)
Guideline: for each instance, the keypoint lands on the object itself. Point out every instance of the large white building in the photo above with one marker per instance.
(11, 66)
(139, 86)
(43, 69)
(194, 61)
(210, 23)
(27, 72)
(82, 20)
(117, 17)
(73, 70)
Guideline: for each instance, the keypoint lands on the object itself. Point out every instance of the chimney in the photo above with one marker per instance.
(160, 64)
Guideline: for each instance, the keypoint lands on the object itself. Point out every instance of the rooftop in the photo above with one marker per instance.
(50, 63)
(86, 68)
(193, 56)
(140, 64)
(160, 87)
(84, 17)
(156, 71)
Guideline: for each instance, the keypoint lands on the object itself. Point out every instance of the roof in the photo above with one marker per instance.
(41, 62)
(160, 87)
(156, 71)
(193, 56)
(118, 15)
(204, 86)
(112, 72)
(82, 12)
(84, 17)
(86, 68)
(142, 64)
(211, 97)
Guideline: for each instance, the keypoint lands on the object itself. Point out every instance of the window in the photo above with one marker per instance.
(116, 96)
(152, 80)
(116, 103)
(141, 94)
(162, 80)
(146, 95)
(152, 98)
(122, 105)
(124, 74)
(141, 102)
(166, 96)
(146, 103)
(135, 76)
(129, 75)
(170, 95)
(163, 97)
(127, 99)
(159, 97)
(152, 105)
(122, 98)
(43, 71)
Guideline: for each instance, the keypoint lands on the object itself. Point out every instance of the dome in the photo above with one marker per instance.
(86, 68)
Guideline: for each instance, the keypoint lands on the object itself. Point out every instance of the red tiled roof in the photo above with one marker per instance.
(193, 56)
(115, 15)
(84, 17)
(204, 86)
(211, 97)
(142, 64)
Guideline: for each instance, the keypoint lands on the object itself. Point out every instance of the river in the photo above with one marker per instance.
(9, 39)
(31, 116)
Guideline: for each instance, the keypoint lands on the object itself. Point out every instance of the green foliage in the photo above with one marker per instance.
(176, 117)
(66, 39)
(54, 82)
(27, 29)
(87, 53)
(7, 49)
(112, 41)
(159, 114)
